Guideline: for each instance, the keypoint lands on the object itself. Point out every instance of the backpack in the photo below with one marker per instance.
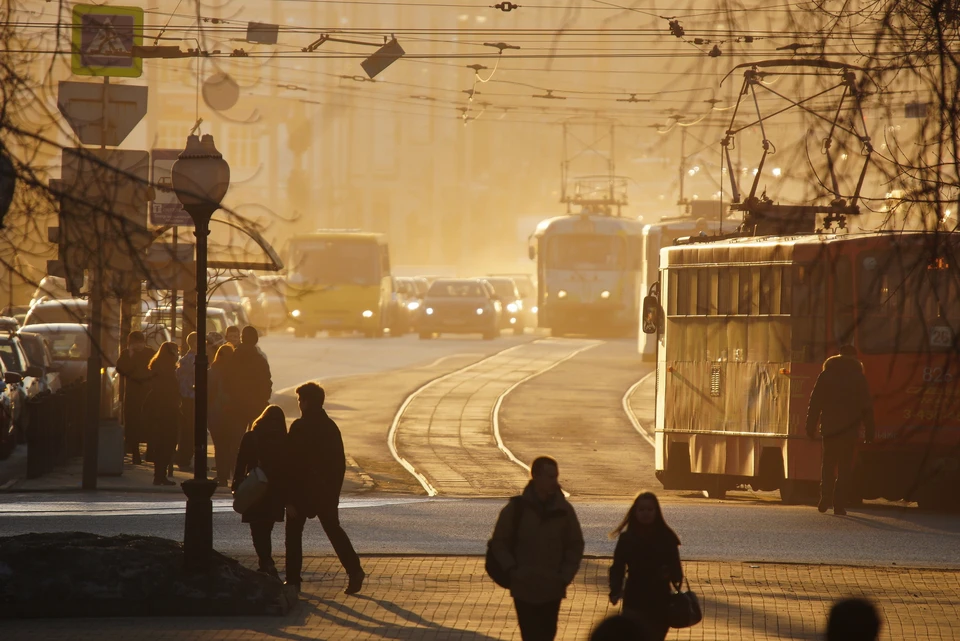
(500, 574)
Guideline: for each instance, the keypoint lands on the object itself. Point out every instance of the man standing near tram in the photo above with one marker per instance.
(840, 402)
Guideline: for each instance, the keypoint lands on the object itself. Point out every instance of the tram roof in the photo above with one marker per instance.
(589, 223)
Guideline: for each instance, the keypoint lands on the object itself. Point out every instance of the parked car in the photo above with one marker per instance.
(460, 306)
(512, 302)
(39, 355)
(70, 348)
(50, 288)
(273, 302)
(217, 320)
(155, 334)
(9, 398)
(235, 313)
(29, 384)
(77, 310)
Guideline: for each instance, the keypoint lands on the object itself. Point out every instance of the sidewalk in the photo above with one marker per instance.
(440, 598)
(139, 478)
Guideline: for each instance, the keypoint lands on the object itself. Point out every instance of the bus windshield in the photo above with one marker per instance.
(585, 252)
(336, 262)
(909, 301)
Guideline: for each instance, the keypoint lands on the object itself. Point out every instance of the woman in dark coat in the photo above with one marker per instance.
(264, 446)
(161, 411)
(647, 552)
(134, 366)
(225, 428)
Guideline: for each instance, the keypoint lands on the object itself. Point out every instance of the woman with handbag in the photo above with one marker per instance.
(648, 554)
(265, 447)
(161, 411)
(225, 430)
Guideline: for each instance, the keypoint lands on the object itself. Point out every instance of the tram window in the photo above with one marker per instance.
(755, 291)
(766, 290)
(808, 314)
(586, 252)
(786, 290)
(842, 301)
(703, 292)
(743, 284)
(687, 292)
(714, 306)
(724, 298)
(672, 277)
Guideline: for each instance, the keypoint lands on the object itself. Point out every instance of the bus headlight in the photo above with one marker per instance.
(413, 306)
(562, 293)
(295, 313)
(367, 313)
(604, 294)
(429, 311)
(512, 308)
(479, 311)
(534, 309)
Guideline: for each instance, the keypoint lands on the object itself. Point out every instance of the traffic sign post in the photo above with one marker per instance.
(100, 113)
(103, 39)
(166, 208)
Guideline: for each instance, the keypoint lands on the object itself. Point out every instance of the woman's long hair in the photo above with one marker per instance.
(271, 420)
(222, 356)
(659, 525)
(165, 360)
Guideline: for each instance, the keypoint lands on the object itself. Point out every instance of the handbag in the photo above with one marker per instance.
(500, 574)
(250, 491)
(684, 607)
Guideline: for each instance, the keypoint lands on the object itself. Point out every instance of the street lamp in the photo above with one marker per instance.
(200, 179)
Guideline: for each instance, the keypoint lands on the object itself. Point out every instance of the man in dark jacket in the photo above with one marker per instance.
(251, 385)
(316, 471)
(840, 402)
(134, 366)
(544, 548)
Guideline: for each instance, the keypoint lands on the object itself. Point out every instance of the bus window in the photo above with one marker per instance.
(337, 262)
(909, 302)
(808, 313)
(843, 301)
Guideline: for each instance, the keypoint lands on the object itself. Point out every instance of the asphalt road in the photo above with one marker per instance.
(877, 535)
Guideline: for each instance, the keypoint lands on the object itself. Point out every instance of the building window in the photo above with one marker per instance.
(171, 134)
(242, 148)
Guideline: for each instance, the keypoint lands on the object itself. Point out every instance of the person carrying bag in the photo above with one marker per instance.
(260, 482)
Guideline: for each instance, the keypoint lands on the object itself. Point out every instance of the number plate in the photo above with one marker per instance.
(941, 336)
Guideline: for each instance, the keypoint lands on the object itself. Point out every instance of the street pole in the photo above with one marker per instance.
(91, 437)
(173, 294)
(198, 526)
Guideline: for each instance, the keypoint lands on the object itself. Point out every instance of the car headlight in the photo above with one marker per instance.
(562, 293)
(513, 321)
(295, 313)
(604, 294)
(512, 308)
(367, 313)
(479, 311)
(534, 309)
(413, 306)
(429, 311)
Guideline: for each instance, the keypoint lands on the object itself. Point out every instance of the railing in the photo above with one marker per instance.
(55, 428)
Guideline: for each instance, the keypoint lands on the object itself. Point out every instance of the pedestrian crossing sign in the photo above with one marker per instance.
(103, 39)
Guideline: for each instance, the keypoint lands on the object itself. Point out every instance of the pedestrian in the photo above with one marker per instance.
(214, 341)
(133, 365)
(161, 411)
(186, 376)
(252, 385)
(265, 446)
(853, 620)
(317, 467)
(232, 336)
(840, 402)
(538, 536)
(225, 427)
(647, 552)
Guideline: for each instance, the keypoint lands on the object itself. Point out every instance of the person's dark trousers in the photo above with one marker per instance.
(836, 471)
(261, 532)
(160, 465)
(330, 520)
(185, 440)
(538, 621)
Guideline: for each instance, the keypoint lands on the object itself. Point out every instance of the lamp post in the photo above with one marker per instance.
(200, 179)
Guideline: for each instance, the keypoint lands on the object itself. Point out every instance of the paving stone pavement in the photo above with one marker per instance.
(438, 598)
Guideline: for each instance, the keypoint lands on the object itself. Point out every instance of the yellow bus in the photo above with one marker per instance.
(338, 281)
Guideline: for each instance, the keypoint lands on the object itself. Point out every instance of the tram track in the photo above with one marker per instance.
(446, 433)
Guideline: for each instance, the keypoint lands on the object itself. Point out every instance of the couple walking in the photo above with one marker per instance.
(305, 470)
(539, 538)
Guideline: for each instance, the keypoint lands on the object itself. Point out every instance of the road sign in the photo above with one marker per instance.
(169, 269)
(103, 40)
(166, 208)
(99, 113)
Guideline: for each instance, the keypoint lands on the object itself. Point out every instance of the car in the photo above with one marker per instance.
(527, 287)
(29, 384)
(217, 320)
(76, 310)
(460, 306)
(39, 355)
(414, 289)
(9, 397)
(70, 348)
(235, 313)
(400, 314)
(513, 316)
(272, 302)
(50, 288)
(155, 334)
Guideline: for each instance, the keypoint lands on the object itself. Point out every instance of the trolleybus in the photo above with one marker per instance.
(744, 325)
